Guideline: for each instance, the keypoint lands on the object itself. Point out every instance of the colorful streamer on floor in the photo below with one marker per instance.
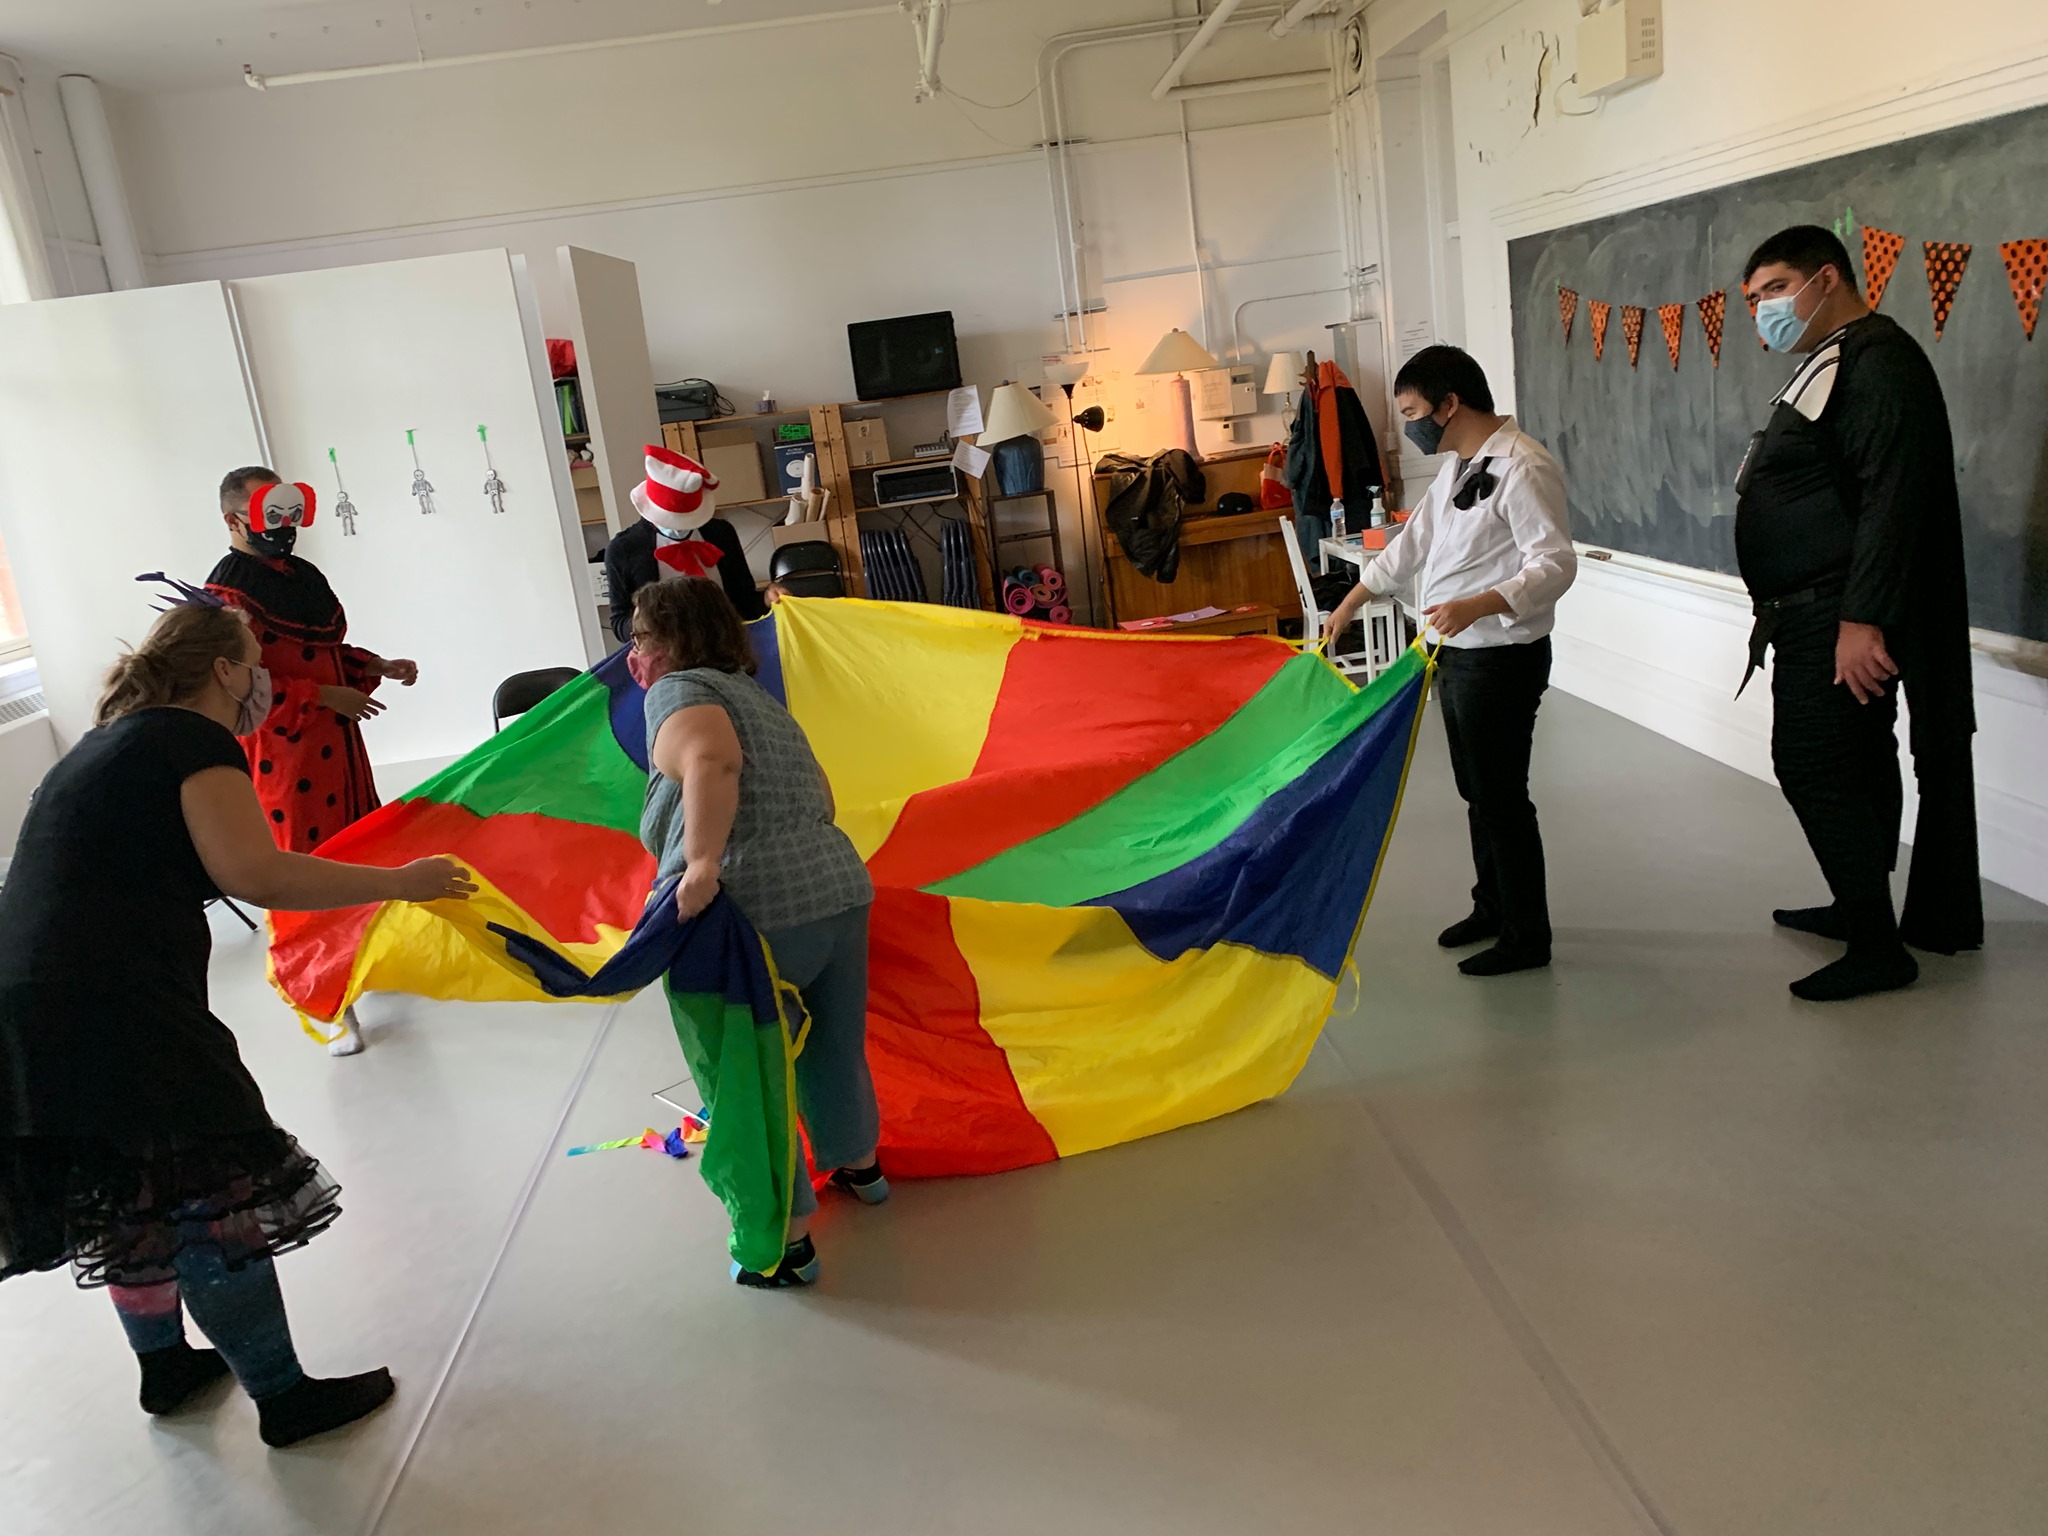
(1117, 876)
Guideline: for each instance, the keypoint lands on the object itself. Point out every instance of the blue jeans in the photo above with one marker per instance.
(827, 962)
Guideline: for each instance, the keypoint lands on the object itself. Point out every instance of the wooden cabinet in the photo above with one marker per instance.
(1224, 561)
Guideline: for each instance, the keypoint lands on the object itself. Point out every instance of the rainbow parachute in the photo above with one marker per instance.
(1117, 876)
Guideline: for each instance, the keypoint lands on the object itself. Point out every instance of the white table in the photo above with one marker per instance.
(1384, 639)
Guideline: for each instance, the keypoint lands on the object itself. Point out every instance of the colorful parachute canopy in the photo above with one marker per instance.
(1117, 876)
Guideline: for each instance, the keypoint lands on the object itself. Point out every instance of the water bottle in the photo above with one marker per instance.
(1337, 518)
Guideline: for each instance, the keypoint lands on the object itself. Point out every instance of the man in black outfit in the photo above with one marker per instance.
(629, 565)
(1848, 532)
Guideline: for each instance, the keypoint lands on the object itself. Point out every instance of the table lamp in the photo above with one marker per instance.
(1180, 354)
(1010, 431)
(1283, 376)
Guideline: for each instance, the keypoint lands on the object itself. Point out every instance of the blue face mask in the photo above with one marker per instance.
(1778, 322)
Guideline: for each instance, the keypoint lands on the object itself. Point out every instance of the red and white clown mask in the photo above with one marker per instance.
(678, 497)
(286, 505)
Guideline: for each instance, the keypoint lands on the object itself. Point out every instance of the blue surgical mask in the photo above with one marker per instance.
(1426, 433)
(1778, 322)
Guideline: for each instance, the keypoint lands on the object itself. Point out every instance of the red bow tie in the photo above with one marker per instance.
(689, 557)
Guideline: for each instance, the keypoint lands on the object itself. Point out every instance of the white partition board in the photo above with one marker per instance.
(613, 368)
(350, 359)
(119, 413)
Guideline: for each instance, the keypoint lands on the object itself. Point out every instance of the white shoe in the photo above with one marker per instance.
(350, 1041)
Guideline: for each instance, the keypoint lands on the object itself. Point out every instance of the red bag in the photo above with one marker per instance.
(561, 358)
(1273, 493)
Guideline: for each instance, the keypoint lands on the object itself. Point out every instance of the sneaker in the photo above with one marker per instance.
(799, 1266)
(865, 1184)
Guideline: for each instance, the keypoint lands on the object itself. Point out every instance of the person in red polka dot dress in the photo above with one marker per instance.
(311, 769)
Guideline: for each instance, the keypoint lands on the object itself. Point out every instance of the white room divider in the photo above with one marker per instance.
(119, 413)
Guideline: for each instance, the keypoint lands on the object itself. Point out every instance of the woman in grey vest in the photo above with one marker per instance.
(736, 801)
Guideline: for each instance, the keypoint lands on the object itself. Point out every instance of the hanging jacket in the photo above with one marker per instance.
(1146, 497)
(1332, 452)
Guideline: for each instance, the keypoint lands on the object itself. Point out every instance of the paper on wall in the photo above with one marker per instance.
(970, 460)
(963, 411)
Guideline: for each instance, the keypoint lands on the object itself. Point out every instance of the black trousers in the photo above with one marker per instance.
(1838, 764)
(1489, 697)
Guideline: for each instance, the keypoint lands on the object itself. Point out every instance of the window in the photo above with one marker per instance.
(24, 275)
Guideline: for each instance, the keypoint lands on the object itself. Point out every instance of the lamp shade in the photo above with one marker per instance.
(1283, 374)
(1178, 352)
(1066, 374)
(1013, 411)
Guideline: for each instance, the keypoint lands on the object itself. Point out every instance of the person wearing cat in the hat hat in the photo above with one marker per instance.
(678, 534)
(311, 769)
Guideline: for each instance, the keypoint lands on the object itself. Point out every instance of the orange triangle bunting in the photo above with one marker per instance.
(1567, 309)
(1672, 317)
(1713, 315)
(2026, 268)
(1880, 259)
(1632, 316)
(1599, 309)
(1946, 262)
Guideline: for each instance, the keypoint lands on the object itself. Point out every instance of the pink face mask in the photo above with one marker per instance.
(647, 668)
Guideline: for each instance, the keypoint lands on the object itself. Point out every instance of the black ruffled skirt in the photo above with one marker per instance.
(119, 1211)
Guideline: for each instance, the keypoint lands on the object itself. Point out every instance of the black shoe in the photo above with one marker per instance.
(172, 1377)
(1503, 961)
(315, 1406)
(1858, 974)
(799, 1266)
(865, 1184)
(1476, 929)
(1828, 922)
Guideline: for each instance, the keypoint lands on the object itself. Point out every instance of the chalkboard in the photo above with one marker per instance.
(1650, 452)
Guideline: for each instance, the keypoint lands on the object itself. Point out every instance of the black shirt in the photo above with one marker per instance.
(1852, 484)
(629, 565)
(104, 1024)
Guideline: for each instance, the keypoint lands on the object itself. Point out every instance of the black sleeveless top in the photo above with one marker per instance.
(104, 1024)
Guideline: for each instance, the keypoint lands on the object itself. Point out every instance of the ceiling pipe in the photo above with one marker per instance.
(1248, 85)
(549, 50)
(1202, 38)
(98, 167)
(1298, 13)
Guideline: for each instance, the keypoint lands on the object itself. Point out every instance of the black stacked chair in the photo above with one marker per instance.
(809, 569)
(522, 690)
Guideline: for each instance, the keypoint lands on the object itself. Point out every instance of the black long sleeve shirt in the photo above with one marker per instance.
(629, 565)
(1860, 489)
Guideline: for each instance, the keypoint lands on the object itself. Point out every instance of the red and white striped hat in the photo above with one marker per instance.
(673, 494)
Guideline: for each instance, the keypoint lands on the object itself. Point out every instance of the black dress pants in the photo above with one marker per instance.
(1838, 764)
(1489, 697)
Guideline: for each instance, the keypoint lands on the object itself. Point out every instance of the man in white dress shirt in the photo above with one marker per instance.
(1493, 549)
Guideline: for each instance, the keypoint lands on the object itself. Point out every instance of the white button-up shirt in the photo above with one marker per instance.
(1517, 541)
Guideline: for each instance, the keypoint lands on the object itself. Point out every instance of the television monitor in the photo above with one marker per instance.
(909, 355)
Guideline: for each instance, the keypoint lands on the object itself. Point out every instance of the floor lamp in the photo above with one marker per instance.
(1067, 375)
(1180, 354)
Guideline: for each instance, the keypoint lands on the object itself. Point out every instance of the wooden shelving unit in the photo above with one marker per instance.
(852, 485)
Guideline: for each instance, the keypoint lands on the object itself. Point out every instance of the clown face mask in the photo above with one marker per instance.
(276, 514)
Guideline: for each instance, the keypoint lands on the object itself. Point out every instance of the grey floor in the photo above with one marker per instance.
(1639, 1245)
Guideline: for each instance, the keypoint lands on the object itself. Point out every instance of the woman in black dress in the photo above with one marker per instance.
(134, 1145)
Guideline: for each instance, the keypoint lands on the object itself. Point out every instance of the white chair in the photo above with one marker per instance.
(1379, 618)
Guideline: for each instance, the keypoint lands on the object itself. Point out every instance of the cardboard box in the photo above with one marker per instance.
(734, 455)
(798, 533)
(867, 441)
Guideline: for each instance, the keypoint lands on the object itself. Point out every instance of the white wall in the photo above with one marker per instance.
(796, 187)
(1750, 86)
